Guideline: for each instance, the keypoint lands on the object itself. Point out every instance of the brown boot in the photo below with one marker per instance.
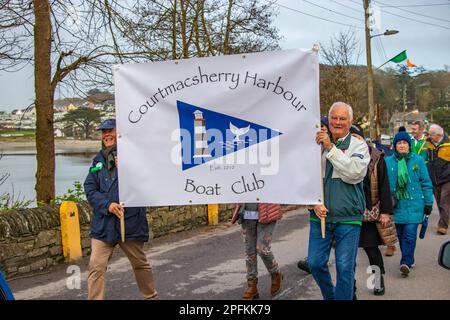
(277, 277)
(252, 290)
(390, 251)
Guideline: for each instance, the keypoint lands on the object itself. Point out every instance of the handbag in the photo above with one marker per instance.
(388, 233)
(269, 212)
(372, 215)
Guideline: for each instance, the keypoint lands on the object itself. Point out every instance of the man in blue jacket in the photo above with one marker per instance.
(345, 160)
(102, 192)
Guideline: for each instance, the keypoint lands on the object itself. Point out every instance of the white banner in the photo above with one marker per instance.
(237, 128)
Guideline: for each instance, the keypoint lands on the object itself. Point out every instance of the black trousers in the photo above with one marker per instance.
(375, 257)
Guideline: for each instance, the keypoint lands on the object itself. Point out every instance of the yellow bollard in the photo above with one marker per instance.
(213, 214)
(70, 231)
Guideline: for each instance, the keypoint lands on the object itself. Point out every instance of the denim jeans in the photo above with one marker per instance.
(258, 239)
(407, 237)
(347, 239)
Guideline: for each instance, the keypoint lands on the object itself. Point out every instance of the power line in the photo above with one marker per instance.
(417, 14)
(415, 20)
(348, 7)
(313, 16)
(378, 49)
(342, 14)
(417, 5)
(412, 19)
(382, 49)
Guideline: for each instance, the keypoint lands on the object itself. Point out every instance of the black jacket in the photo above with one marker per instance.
(384, 192)
(438, 162)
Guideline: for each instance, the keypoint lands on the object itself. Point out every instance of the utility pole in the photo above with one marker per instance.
(370, 98)
(404, 103)
(404, 97)
(378, 122)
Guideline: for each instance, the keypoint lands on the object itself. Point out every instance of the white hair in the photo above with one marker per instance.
(437, 129)
(341, 104)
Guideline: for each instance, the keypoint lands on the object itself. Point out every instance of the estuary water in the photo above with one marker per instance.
(22, 170)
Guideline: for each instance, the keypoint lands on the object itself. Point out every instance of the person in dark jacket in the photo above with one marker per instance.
(102, 192)
(438, 148)
(377, 194)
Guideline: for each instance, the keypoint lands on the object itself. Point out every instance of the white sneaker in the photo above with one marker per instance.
(404, 269)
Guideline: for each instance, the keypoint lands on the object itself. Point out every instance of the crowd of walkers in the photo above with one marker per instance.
(398, 198)
(372, 196)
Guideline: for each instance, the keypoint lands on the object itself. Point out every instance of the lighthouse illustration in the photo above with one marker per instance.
(200, 140)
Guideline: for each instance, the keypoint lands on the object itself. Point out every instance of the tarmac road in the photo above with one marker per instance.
(208, 264)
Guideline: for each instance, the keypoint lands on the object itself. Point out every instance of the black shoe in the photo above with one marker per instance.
(303, 265)
(380, 291)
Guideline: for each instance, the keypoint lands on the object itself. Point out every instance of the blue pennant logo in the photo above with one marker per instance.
(206, 135)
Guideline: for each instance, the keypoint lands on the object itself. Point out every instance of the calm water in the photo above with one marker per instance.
(22, 170)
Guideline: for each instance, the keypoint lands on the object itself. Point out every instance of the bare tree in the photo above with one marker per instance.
(45, 147)
(340, 75)
(15, 30)
(75, 43)
(175, 29)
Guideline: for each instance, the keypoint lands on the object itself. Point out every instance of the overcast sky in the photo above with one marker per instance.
(424, 31)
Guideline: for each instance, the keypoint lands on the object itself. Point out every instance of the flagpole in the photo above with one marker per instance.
(402, 56)
(383, 64)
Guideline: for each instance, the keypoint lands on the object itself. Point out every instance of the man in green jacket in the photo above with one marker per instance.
(345, 160)
(419, 140)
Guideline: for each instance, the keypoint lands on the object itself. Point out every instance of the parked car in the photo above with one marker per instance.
(444, 255)
(386, 140)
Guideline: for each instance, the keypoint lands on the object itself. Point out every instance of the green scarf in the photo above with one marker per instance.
(109, 154)
(402, 178)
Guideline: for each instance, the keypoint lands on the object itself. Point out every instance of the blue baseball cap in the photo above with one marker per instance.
(107, 124)
(324, 122)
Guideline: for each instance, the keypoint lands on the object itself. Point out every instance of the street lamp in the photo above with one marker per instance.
(386, 33)
(370, 98)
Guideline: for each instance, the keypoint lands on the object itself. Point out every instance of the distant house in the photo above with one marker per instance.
(405, 119)
(59, 133)
(109, 102)
(6, 121)
(16, 114)
(5, 116)
(89, 105)
(71, 107)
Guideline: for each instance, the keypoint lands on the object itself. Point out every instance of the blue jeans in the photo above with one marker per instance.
(258, 239)
(407, 237)
(347, 239)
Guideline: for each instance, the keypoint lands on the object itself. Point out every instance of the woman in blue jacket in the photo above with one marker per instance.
(412, 193)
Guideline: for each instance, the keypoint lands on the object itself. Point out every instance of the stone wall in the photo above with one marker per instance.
(30, 239)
